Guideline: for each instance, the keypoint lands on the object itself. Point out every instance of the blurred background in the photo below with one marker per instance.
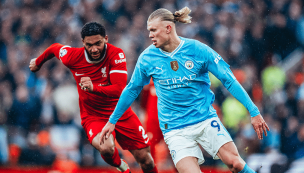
(262, 41)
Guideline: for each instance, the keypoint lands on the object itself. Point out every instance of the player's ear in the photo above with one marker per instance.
(83, 42)
(106, 39)
(168, 29)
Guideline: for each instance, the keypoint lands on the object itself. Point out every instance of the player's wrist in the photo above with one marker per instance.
(94, 87)
(112, 120)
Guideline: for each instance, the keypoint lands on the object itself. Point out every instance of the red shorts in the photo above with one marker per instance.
(129, 132)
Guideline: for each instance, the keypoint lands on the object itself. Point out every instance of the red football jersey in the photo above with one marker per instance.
(96, 103)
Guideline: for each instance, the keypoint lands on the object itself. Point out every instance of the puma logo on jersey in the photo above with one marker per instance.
(103, 71)
(159, 68)
(77, 74)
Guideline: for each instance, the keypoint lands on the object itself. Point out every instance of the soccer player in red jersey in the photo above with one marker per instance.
(149, 102)
(100, 70)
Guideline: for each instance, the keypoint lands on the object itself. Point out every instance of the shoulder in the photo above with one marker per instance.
(66, 50)
(113, 49)
(149, 52)
(114, 52)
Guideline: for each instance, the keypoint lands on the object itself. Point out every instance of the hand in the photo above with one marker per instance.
(33, 67)
(86, 84)
(259, 125)
(106, 132)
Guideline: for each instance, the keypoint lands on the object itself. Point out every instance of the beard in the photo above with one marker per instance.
(101, 54)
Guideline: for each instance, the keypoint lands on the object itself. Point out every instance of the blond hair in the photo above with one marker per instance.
(166, 15)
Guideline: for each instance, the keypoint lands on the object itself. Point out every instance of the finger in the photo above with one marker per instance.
(267, 127)
(264, 129)
(101, 137)
(258, 132)
(261, 132)
(108, 135)
(104, 139)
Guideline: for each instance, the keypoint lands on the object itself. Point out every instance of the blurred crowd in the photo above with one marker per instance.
(39, 114)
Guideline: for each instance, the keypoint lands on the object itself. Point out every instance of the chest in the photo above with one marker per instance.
(98, 72)
(177, 69)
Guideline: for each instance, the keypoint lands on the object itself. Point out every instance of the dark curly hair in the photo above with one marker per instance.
(93, 28)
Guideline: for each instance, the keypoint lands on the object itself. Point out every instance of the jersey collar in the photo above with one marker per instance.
(95, 62)
(171, 54)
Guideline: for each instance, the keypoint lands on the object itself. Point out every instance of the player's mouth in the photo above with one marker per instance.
(154, 42)
(95, 56)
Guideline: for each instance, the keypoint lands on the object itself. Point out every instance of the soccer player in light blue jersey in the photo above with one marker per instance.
(179, 68)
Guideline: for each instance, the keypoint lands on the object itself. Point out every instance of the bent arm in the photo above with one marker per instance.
(118, 82)
(48, 54)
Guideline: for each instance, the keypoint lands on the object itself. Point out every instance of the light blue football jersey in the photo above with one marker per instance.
(182, 84)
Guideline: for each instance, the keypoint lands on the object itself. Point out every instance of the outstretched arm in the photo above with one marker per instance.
(129, 94)
(217, 66)
(127, 97)
(49, 53)
(257, 120)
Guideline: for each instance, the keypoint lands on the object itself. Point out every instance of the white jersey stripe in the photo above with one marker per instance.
(118, 71)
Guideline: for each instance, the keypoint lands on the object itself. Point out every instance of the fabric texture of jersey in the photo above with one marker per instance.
(76, 59)
(182, 84)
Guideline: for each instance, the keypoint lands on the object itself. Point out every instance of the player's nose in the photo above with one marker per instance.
(94, 49)
(151, 35)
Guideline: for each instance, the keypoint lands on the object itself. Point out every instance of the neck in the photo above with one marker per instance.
(172, 44)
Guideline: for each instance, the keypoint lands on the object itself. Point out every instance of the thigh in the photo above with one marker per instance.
(214, 136)
(188, 164)
(106, 147)
(182, 146)
(130, 134)
(94, 127)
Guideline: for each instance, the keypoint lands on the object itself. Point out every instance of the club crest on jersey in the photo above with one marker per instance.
(189, 64)
(103, 71)
(174, 65)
